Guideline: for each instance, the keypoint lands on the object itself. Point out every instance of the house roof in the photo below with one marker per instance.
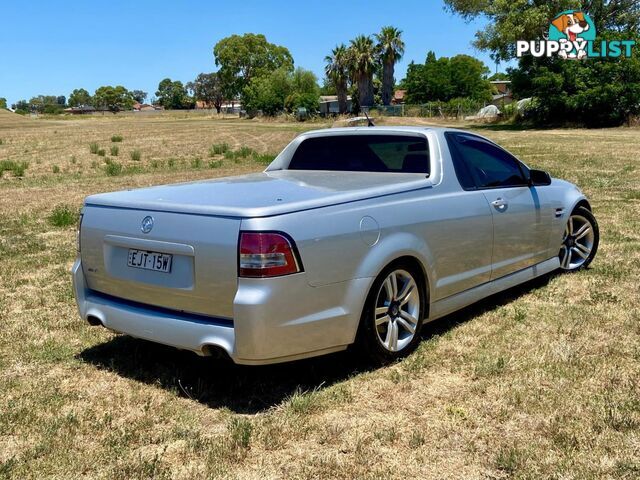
(331, 98)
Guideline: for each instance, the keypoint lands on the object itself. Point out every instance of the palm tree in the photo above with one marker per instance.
(363, 64)
(337, 70)
(391, 48)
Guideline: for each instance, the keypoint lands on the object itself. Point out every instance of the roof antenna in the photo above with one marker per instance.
(369, 121)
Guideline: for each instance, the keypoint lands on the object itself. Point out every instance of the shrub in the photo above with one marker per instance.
(171, 162)
(263, 158)
(218, 149)
(63, 216)
(196, 163)
(230, 155)
(55, 169)
(116, 138)
(136, 155)
(16, 168)
(215, 163)
(1, 141)
(102, 152)
(93, 148)
(244, 152)
(113, 169)
(19, 169)
(114, 150)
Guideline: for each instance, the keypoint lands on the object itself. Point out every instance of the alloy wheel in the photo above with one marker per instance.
(397, 310)
(577, 242)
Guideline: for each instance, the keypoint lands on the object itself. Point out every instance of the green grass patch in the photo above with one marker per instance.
(218, 149)
(16, 168)
(114, 150)
(244, 152)
(113, 169)
(215, 163)
(55, 169)
(63, 216)
(116, 138)
(263, 158)
(102, 152)
(136, 155)
(93, 148)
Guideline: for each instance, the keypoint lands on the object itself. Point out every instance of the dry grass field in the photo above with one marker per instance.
(542, 381)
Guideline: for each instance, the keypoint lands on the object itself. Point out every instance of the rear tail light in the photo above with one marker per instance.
(78, 228)
(267, 254)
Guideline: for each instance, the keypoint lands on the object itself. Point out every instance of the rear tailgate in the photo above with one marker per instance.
(192, 264)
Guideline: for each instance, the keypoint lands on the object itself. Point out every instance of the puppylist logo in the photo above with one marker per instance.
(572, 35)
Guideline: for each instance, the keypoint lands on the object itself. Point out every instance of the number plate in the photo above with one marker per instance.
(158, 262)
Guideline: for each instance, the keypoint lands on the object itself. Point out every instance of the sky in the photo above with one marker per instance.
(51, 48)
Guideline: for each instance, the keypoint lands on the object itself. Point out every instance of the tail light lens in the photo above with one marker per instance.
(266, 254)
(78, 227)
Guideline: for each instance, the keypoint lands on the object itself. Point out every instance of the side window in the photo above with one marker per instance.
(489, 165)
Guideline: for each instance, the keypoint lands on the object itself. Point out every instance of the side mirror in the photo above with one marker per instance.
(539, 178)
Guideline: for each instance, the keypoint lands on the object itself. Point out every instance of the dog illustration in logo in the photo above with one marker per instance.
(572, 25)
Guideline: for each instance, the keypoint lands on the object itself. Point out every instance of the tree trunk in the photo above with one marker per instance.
(363, 90)
(342, 97)
(387, 82)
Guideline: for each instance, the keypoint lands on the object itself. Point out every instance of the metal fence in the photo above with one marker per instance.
(429, 110)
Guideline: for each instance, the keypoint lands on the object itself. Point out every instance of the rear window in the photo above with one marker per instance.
(363, 153)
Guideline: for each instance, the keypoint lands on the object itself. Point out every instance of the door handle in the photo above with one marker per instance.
(499, 203)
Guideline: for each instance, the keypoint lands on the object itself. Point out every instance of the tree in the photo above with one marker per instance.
(510, 21)
(391, 48)
(113, 99)
(173, 95)
(45, 104)
(208, 88)
(3, 102)
(22, 107)
(139, 96)
(267, 93)
(61, 100)
(305, 91)
(280, 91)
(79, 97)
(362, 53)
(337, 71)
(499, 76)
(469, 78)
(443, 79)
(244, 57)
(595, 93)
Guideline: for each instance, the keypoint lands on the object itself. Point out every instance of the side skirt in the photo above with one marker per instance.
(444, 306)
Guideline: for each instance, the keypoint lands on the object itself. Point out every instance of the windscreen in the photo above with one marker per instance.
(363, 153)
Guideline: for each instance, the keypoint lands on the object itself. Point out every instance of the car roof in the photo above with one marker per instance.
(378, 130)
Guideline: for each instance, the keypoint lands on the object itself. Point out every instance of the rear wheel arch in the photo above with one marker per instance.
(365, 339)
(419, 268)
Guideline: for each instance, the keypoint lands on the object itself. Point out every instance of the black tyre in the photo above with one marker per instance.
(579, 241)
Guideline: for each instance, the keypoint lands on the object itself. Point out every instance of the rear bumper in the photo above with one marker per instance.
(275, 320)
